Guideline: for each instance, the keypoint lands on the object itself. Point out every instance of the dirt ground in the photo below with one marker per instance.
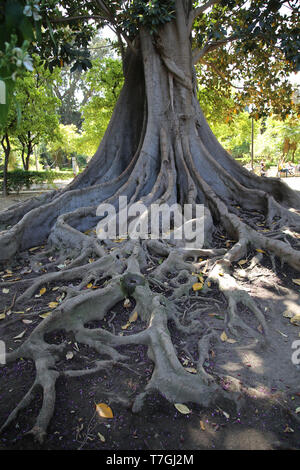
(266, 417)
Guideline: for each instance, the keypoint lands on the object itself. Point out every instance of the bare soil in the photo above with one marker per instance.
(266, 420)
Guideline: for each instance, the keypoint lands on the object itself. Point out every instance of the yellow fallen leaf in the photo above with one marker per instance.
(133, 317)
(45, 315)
(53, 304)
(101, 437)
(242, 262)
(124, 327)
(90, 285)
(224, 336)
(197, 286)
(34, 248)
(192, 370)
(296, 320)
(104, 411)
(5, 291)
(2, 316)
(221, 274)
(296, 281)
(43, 290)
(260, 251)
(208, 283)
(202, 426)
(183, 409)
(231, 341)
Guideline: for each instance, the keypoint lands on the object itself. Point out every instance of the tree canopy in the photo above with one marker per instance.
(255, 44)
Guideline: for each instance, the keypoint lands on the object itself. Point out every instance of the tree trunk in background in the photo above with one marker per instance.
(5, 142)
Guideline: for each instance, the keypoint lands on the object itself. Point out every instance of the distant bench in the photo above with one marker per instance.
(286, 174)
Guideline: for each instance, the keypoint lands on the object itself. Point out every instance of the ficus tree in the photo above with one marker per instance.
(158, 149)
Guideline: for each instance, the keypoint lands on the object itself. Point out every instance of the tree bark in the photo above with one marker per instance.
(5, 142)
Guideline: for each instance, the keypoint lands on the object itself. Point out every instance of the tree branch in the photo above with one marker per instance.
(69, 19)
(198, 54)
(197, 11)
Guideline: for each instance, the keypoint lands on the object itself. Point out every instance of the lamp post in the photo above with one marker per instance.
(252, 142)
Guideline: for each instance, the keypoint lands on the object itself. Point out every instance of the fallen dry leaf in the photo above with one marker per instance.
(104, 411)
(52, 304)
(45, 315)
(20, 335)
(43, 290)
(224, 336)
(192, 370)
(101, 437)
(5, 291)
(296, 320)
(288, 429)
(202, 426)
(296, 281)
(133, 317)
(197, 286)
(183, 409)
(242, 262)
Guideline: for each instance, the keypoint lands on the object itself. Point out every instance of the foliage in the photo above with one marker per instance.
(17, 22)
(38, 107)
(19, 179)
(258, 46)
(235, 135)
(73, 90)
(105, 81)
(270, 143)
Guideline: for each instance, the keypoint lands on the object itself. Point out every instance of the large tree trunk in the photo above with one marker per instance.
(158, 148)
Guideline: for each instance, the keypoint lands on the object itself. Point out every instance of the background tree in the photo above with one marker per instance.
(38, 107)
(158, 149)
(104, 82)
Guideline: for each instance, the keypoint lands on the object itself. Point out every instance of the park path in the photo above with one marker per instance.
(292, 182)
